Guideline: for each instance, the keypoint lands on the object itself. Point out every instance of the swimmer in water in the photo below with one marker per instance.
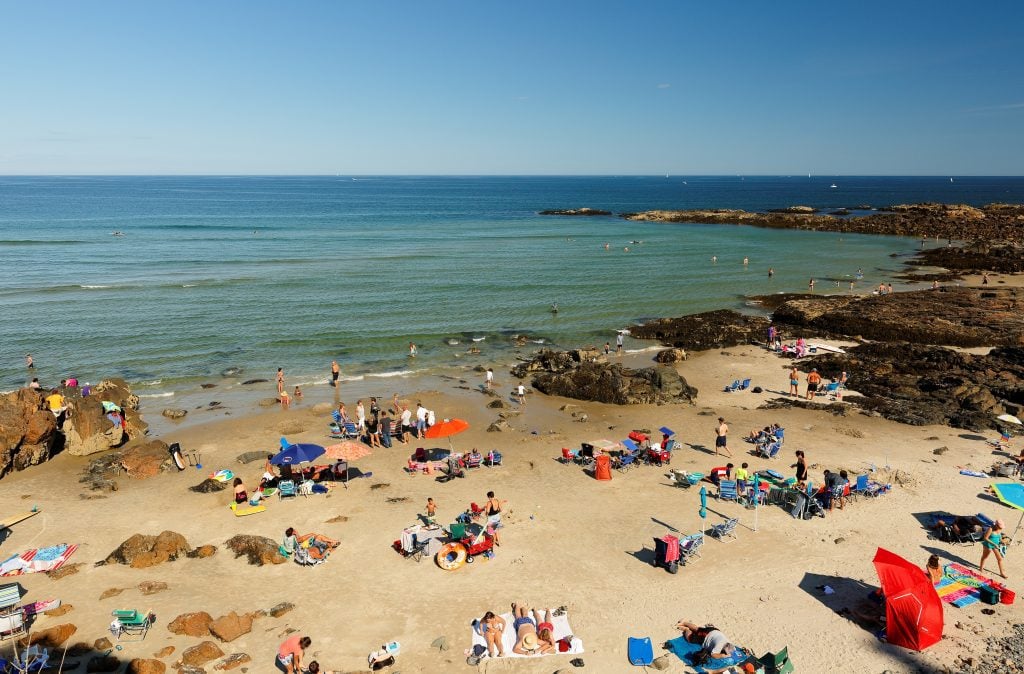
(746, 261)
(626, 249)
(771, 272)
(412, 350)
(607, 246)
(714, 258)
(554, 307)
(810, 285)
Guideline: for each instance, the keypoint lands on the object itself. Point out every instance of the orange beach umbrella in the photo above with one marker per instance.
(446, 429)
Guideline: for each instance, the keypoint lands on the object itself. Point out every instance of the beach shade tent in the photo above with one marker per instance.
(446, 429)
(1012, 494)
(296, 453)
(913, 610)
(602, 467)
(1010, 419)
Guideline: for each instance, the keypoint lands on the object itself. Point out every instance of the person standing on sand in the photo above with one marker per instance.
(801, 469)
(992, 544)
(335, 373)
(489, 379)
(721, 441)
(360, 415)
(813, 380)
(396, 407)
(521, 393)
(794, 381)
(406, 425)
(492, 510)
(385, 429)
(771, 335)
(280, 380)
(291, 652)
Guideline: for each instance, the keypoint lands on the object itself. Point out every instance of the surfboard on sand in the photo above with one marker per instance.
(8, 522)
(252, 510)
(826, 347)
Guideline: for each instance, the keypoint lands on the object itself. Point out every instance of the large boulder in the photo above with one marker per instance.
(28, 433)
(584, 379)
(51, 637)
(196, 624)
(200, 654)
(708, 330)
(231, 626)
(142, 459)
(144, 666)
(259, 550)
(88, 430)
(142, 551)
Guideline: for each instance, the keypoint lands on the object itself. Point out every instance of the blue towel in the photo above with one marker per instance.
(51, 553)
(685, 651)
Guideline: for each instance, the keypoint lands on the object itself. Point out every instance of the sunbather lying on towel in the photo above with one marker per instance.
(527, 642)
(713, 642)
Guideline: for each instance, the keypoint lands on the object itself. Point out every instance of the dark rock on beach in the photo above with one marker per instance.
(794, 209)
(576, 211)
(247, 382)
(579, 375)
(918, 385)
(978, 256)
(142, 551)
(209, 486)
(708, 330)
(259, 550)
(88, 430)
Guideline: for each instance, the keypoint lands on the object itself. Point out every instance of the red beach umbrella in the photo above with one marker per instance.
(446, 429)
(347, 451)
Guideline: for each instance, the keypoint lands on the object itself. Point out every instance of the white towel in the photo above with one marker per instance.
(508, 640)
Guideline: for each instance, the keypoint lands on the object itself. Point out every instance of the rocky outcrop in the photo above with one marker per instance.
(948, 316)
(200, 654)
(141, 459)
(920, 385)
(585, 375)
(994, 222)
(231, 626)
(28, 433)
(708, 330)
(51, 637)
(87, 429)
(142, 551)
(670, 356)
(145, 666)
(209, 486)
(576, 211)
(233, 661)
(259, 550)
(195, 624)
(976, 257)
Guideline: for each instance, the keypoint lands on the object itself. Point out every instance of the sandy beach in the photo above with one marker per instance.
(568, 540)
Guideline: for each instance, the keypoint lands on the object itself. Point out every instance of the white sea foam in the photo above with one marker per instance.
(356, 377)
(92, 287)
(153, 382)
(385, 375)
(645, 349)
(168, 394)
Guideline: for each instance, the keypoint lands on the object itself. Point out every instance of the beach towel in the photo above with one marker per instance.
(37, 560)
(508, 640)
(972, 473)
(37, 607)
(959, 585)
(686, 651)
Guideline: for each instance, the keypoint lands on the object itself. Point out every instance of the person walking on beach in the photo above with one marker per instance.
(618, 343)
(29, 363)
(813, 380)
(992, 544)
(521, 393)
(489, 379)
(721, 441)
(335, 373)
(280, 380)
(421, 420)
(794, 381)
(291, 652)
(492, 510)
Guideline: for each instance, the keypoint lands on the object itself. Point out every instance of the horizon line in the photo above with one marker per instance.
(507, 175)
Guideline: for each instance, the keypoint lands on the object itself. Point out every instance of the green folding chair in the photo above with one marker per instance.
(133, 623)
(457, 531)
(779, 663)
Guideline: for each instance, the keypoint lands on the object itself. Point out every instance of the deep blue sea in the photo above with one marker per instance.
(260, 272)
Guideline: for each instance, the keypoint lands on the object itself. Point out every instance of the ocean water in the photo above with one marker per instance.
(256, 273)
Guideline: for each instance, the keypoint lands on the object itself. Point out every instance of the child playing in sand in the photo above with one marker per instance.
(298, 393)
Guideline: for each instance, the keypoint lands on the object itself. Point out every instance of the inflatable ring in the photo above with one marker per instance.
(451, 556)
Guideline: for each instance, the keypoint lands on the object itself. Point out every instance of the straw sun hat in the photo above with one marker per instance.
(530, 642)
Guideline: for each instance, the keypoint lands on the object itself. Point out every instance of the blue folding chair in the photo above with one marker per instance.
(745, 385)
(727, 490)
(734, 386)
(286, 489)
(640, 651)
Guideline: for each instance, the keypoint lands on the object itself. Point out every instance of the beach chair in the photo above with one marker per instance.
(585, 456)
(473, 460)
(859, 488)
(777, 663)
(690, 547)
(32, 659)
(734, 386)
(769, 451)
(626, 461)
(831, 390)
(727, 490)
(640, 651)
(286, 489)
(456, 531)
(568, 456)
(130, 623)
(725, 531)
(492, 459)
(744, 385)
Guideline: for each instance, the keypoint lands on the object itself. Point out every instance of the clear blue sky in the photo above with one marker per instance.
(512, 87)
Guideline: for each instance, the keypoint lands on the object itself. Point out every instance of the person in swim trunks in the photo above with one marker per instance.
(813, 380)
(794, 381)
(721, 441)
(527, 642)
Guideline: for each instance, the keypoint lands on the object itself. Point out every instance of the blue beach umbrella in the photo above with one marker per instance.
(297, 453)
(1012, 494)
(703, 508)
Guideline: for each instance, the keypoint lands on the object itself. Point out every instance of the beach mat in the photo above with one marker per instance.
(562, 629)
(959, 585)
(686, 651)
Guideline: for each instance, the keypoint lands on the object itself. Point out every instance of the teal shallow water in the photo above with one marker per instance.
(257, 273)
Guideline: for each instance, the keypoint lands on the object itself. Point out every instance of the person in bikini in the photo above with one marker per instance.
(492, 627)
(492, 509)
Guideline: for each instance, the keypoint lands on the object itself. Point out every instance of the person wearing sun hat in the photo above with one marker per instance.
(527, 642)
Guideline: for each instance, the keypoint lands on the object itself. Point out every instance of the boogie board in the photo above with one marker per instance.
(8, 522)
(252, 510)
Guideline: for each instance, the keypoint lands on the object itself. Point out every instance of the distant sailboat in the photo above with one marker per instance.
(833, 186)
(950, 180)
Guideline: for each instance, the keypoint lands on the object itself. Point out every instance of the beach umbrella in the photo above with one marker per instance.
(347, 451)
(446, 429)
(1012, 494)
(1010, 419)
(297, 453)
(913, 610)
(703, 509)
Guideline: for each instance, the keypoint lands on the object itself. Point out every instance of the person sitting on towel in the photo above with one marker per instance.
(712, 640)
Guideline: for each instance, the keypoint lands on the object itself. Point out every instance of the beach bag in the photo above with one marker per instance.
(564, 644)
(988, 595)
